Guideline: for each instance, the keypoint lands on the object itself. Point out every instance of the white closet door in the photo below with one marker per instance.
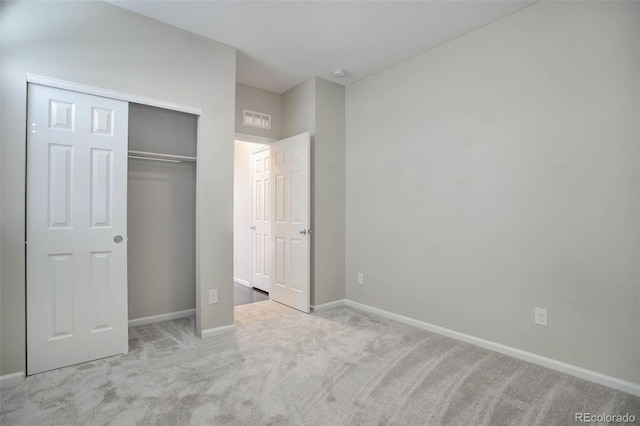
(76, 228)
(290, 233)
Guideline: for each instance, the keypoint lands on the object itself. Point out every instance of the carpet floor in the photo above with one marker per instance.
(283, 367)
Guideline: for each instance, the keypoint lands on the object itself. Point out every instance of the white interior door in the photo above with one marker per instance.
(76, 228)
(260, 218)
(290, 212)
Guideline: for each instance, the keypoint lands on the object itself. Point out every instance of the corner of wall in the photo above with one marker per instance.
(298, 109)
(329, 191)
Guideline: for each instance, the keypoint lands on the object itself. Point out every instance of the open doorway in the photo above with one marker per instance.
(272, 235)
(245, 260)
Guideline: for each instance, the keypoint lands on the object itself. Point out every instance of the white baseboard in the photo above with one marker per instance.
(329, 305)
(583, 373)
(162, 317)
(217, 331)
(242, 282)
(11, 379)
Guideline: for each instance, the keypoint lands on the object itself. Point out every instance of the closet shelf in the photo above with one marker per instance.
(156, 156)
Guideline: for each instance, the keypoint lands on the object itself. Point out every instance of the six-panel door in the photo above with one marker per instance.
(261, 218)
(76, 228)
(290, 222)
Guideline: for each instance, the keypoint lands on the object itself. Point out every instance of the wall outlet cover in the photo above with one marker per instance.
(540, 317)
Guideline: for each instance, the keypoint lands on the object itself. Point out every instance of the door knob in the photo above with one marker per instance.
(117, 239)
(303, 231)
(252, 227)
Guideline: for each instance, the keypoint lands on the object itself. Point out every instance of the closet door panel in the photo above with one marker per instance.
(76, 228)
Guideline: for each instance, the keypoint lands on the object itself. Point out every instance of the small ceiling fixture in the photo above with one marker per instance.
(339, 73)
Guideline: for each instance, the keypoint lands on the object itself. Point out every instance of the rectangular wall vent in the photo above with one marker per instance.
(256, 119)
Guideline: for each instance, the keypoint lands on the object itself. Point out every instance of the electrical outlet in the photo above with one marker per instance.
(360, 278)
(541, 317)
(213, 296)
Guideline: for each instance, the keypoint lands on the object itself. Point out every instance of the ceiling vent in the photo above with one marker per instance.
(256, 119)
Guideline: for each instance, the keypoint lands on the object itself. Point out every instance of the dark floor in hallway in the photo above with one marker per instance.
(243, 295)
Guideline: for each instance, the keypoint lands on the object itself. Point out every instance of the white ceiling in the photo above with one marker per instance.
(282, 43)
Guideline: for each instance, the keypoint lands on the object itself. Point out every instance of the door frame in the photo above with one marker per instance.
(131, 98)
(266, 142)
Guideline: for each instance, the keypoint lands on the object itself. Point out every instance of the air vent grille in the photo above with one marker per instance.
(256, 119)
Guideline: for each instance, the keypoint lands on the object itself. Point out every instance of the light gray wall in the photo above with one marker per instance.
(242, 194)
(329, 192)
(98, 44)
(317, 106)
(259, 100)
(161, 205)
(161, 130)
(499, 172)
(161, 267)
(299, 109)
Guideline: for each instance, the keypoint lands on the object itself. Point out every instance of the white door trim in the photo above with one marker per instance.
(106, 93)
(243, 137)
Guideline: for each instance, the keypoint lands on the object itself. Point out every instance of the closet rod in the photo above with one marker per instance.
(143, 155)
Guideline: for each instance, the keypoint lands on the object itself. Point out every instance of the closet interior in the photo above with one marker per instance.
(161, 211)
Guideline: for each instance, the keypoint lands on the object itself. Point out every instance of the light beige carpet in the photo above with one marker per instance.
(282, 367)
